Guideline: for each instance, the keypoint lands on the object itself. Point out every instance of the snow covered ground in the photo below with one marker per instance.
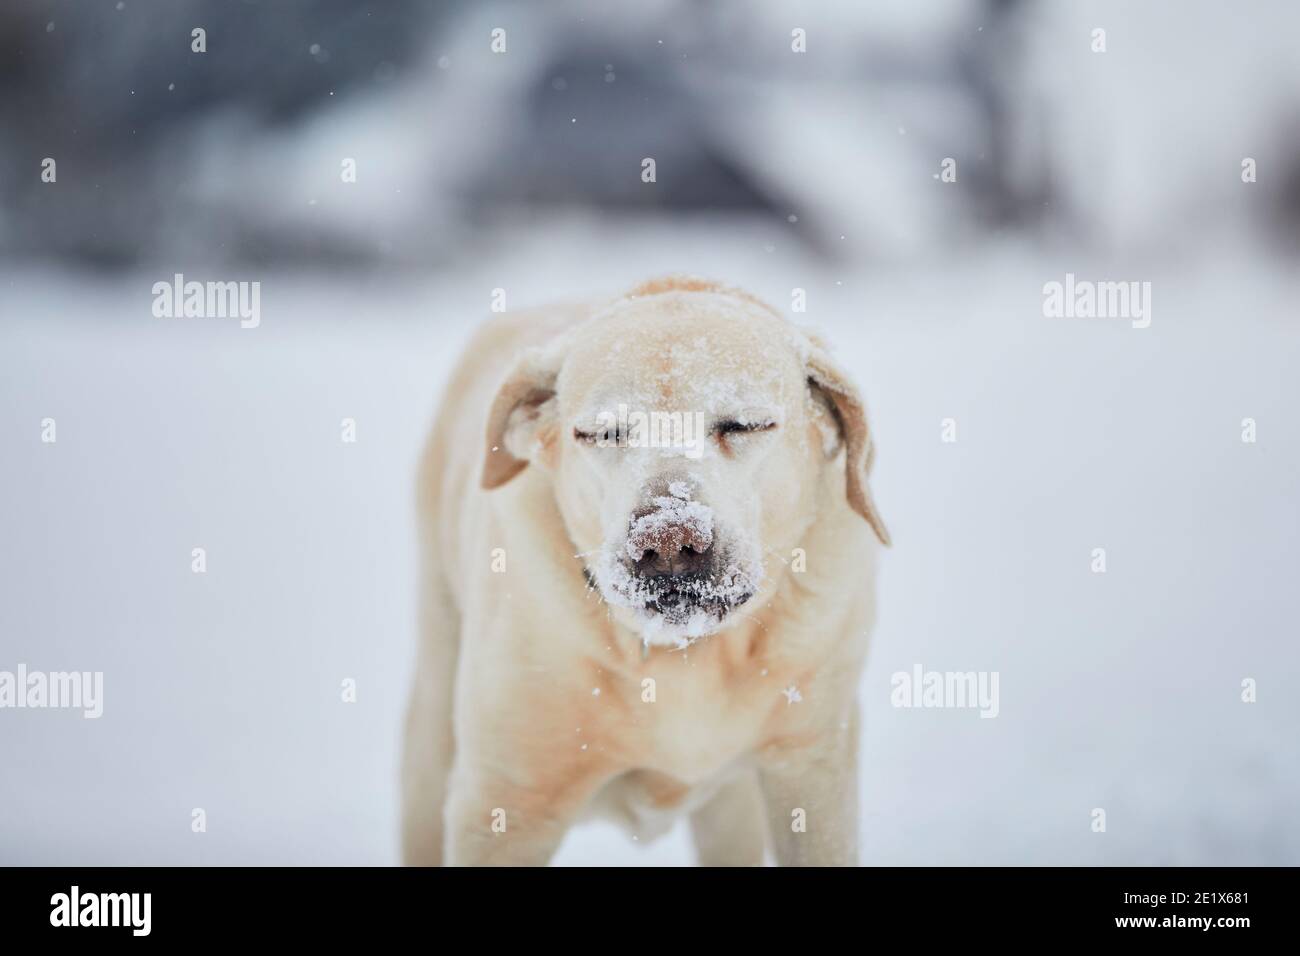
(1119, 691)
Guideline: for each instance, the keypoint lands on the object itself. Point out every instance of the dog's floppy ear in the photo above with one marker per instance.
(833, 389)
(524, 408)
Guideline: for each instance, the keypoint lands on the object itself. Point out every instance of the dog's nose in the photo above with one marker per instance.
(668, 541)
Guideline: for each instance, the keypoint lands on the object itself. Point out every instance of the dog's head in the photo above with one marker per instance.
(687, 428)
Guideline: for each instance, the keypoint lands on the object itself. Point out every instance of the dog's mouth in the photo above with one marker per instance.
(675, 609)
(681, 595)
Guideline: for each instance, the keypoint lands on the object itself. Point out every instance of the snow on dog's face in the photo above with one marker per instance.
(687, 429)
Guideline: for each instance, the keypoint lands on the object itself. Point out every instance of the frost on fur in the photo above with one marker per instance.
(672, 514)
(676, 610)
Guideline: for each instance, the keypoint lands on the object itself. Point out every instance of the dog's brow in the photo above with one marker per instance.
(747, 412)
(587, 420)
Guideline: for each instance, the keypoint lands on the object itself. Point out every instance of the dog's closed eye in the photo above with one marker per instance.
(733, 434)
(601, 436)
(732, 427)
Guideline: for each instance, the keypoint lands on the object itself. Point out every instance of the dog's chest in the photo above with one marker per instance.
(689, 732)
(694, 715)
(648, 802)
(682, 724)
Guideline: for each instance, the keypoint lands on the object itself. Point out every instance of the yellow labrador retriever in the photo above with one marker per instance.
(647, 591)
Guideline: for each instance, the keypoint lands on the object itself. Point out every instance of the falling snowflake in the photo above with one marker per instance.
(792, 695)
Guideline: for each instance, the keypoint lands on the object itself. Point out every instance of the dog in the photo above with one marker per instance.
(642, 622)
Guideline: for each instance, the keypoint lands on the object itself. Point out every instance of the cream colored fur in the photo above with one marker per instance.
(538, 698)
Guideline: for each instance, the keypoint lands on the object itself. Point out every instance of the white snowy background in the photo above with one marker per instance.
(222, 691)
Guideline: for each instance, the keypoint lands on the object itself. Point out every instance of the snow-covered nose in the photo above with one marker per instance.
(671, 535)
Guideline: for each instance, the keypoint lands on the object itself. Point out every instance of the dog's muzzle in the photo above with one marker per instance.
(674, 567)
(675, 570)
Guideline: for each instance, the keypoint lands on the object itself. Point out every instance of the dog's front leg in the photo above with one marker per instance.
(514, 819)
(811, 795)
